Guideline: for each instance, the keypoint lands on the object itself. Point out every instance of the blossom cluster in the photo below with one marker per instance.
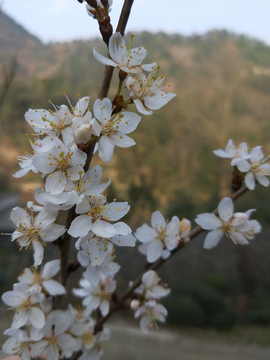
(48, 330)
(62, 140)
(65, 139)
(251, 163)
(145, 301)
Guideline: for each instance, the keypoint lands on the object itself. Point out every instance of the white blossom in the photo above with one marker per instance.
(62, 164)
(159, 239)
(25, 306)
(233, 152)
(56, 337)
(98, 296)
(150, 288)
(256, 168)
(113, 128)
(146, 92)
(37, 281)
(150, 312)
(122, 56)
(35, 230)
(97, 351)
(234, 226)
(98, 213)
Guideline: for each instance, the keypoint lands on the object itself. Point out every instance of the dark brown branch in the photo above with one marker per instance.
(64, 248)
(128, 292)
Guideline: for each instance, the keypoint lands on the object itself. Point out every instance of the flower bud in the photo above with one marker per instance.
(83, 133)
(134, 304)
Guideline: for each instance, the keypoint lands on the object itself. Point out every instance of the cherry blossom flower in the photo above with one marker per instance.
(151, 312)
(56, 338)
(113, 128)
(159, 239)
(37, 281)
(97, 214)
(122, 56)
(62, 164)
(26, 306)
(99, 247)
(50, 125)
(150, 288)
(96, 352)
(36, 230)
(234, 226)
(257, 168)
(19, 343)
(146, 92)
(96, 296)
(233, 152)
(94, 273)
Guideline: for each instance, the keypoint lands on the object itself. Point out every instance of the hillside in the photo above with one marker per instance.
(222, 86)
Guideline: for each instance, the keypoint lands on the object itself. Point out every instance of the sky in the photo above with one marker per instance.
(67, 20)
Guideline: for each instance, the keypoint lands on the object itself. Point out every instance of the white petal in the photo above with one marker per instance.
(250, 181)
(102, 59)
(256, 154)
(221, 153)
(238, 237)
(51, 268)
(104, 307)
(121, 140)
(208, 221)
(212, 239)
(93, 275)
(225, 208)
(20, 318)
(80, 226)
(54, 287)
(154, 251)
(106, 149)
(37, 317)
(262, 180)
(103, 229)
(158, 220)
(124, 240)
(243, 165)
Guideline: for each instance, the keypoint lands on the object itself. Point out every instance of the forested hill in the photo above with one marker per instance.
(222, 86)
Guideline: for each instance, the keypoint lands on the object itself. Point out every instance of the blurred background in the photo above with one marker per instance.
(220, 71)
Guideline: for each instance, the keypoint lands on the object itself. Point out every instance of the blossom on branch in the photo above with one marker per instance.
(25, 306)
(35, 231)
(233, 152)
(113, 128)
(37, 281)
(96, 216)
(150, 313)
(122, 56)
(256, 168)
(146, 92)
(62, 164)
(235, 226)
(160, 239)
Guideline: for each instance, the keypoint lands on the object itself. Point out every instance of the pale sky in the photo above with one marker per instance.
(65, 20)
